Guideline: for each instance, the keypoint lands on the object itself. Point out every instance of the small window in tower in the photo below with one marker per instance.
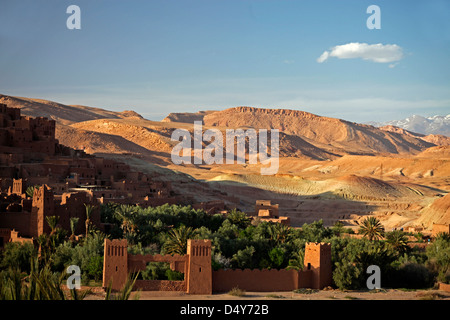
(309, 266)
(199, 269)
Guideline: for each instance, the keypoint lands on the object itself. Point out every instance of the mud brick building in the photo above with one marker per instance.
(265, 210)
(29, 220)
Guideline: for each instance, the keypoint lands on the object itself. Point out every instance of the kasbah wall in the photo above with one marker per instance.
(201, 279)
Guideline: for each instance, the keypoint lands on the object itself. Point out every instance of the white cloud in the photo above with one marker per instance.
(381, 53)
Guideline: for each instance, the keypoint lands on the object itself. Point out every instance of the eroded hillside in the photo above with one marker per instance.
(329, 169)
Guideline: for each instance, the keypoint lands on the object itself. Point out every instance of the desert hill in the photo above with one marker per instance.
(186, 117)
(438, 212)
(303, 135)
(335, 135)
(438, 152)
(140, 135)
(437, 139)
(329, 169)
(63, 114)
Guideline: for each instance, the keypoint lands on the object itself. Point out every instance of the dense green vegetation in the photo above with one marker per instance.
(237, 242)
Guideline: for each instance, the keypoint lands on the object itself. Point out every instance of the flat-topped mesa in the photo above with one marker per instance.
(284, 112)
(285, 120)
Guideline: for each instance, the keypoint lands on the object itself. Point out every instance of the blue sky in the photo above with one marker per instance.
(163, 56)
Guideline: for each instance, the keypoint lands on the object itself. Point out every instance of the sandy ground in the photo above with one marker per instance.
(382, 294)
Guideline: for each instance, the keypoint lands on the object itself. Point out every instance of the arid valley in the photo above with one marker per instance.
(329, 169)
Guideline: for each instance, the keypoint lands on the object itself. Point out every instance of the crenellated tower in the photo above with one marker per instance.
(199, 271)
(318, 259)
(43, 205)
(115, 263)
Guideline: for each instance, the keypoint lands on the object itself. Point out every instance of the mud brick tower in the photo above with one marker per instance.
(43, 205)
(199, 272)
(318, 259)
(115, 263)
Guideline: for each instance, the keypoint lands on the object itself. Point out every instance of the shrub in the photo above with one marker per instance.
(356, 257)
(239, 218)
(438, 254)
(237, 292)
(17, 255)
(174, 275)
(276, 256)
(155, 271)
(412, 276)
(91, 248)
(243, 258)
(315, 231)
(346, 276)
(62, 256)
(95, 267)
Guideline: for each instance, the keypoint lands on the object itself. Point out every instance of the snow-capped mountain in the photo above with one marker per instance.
(420, 124)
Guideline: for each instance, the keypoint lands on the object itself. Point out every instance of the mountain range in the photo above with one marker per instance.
(329, 168)
(302, 134)
(419, 124)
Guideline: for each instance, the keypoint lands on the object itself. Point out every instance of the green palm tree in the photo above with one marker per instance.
(445, 236)
(177, 241)
(279, 233)
(30, 191)
(52, 222)
(125, 292)
(338, 228)
(127, 214)
(371, 228)
(239, 218)
(89, 211)
(73, 226)
(398, 240)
